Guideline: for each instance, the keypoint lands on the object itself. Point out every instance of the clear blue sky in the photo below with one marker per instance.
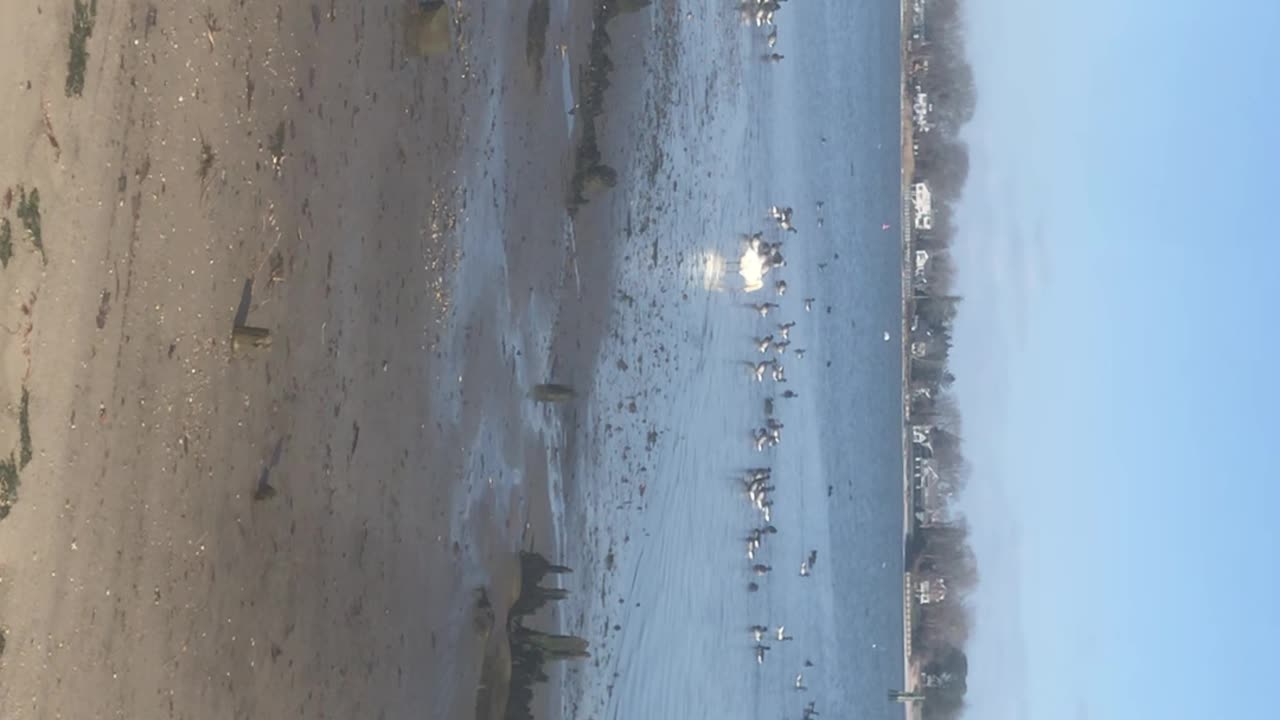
(1117, 358)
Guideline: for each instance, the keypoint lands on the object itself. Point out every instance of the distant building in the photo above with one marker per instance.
(921, 392)
(926, 474)
(921, 438)
(933, 494)
(920, 109)
(920, 434)
(939, 680)
(922, 261)
(931, 592)
(917, 16)
(922, 206)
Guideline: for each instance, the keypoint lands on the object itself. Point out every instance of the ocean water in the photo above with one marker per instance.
(655, 515)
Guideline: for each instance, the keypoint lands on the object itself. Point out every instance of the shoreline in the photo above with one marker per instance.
(910, 673)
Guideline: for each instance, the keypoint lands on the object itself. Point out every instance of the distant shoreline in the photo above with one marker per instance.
(909, 672)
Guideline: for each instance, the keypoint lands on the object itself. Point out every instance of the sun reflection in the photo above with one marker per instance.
(751, 267)
(713, 271)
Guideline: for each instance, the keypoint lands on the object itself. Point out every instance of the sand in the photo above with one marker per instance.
(395, 223)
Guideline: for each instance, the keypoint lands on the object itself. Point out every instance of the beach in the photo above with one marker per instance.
(296, 273)
(297, 529)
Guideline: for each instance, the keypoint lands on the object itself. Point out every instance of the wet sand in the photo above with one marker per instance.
(295, 530)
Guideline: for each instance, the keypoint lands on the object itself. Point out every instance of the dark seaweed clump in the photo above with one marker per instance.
(532, 649)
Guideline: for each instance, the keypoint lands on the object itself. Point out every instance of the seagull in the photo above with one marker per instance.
(762, 440)
(761, 569)
(790, 394)
(780, 287)
(760, 651)
(763, 343)
(772, 38)
(887, 336)
(800, 682)
(758, 631)
(758, 369)
(799, 352)
(808, 304)
(804, 569)
(781, 347)
(764, 308)
(781, 635)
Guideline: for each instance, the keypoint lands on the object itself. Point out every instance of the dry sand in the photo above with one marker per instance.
(291, 165)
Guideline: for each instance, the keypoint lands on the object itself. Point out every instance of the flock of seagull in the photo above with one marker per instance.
(761, 13)
(758, 480)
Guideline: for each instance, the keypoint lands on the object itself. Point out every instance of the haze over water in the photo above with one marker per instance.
(655, 514)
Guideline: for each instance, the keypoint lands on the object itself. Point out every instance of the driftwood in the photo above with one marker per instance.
(243, 336)
(552, 393)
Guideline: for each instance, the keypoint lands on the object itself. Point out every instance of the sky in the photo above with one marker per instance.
(1116, 358)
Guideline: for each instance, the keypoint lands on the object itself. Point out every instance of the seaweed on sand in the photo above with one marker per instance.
(8, 485)
(29, 214)
(82, 19)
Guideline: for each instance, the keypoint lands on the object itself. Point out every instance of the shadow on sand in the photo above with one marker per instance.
(590, 174)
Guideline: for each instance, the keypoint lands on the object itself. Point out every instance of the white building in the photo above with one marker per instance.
(922, 259)
(920, 110)
(922, 206)
(926, 474)
(917, 14)
(931, 591)
(922, 435)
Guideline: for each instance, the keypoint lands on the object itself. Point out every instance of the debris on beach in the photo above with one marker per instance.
(426, 29)
(245, 336)
(552, 393)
